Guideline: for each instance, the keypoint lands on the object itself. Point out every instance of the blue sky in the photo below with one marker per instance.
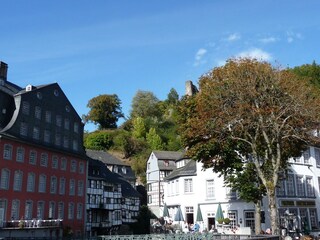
(122, 46)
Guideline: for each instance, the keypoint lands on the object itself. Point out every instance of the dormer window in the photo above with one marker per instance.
(56, 92)
(29, 88)
(39, 95)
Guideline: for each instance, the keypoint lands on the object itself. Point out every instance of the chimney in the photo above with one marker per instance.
(3, 71)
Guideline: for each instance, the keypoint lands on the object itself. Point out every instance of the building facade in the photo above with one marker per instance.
(159, 165)
(112, 201)
(43, 166)
(197, 191)
(193, 189)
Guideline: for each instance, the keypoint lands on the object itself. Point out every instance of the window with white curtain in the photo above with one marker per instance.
(188, 186)
(210, 188)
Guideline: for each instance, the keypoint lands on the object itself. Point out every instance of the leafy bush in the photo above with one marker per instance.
(99, 140)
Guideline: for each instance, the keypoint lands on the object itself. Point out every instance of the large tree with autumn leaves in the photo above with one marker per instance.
(250, 111)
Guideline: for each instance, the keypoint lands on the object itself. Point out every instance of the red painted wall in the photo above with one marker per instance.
(77, 225)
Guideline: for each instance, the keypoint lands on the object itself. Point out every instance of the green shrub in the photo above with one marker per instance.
(99, 140)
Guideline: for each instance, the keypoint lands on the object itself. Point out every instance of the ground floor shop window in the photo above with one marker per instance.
(249, 220)
(301, 219)
(232, 215)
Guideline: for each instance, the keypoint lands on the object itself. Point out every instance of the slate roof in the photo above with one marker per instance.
(167, 155)
(105, 157)
(166, 165)
(190, 169)
(109, 159)
(48, 98)
(105, 174)
(127, 190)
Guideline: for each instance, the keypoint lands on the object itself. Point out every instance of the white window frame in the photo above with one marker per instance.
(63, 165)
(5, 179)
(44, 160)
(309, 186)
(62, 186)
(79, 211)
(60, 210)
(55, 162)
(20, 154)
(28, 209)
(17, 182)
(52, 208)
(31, 182)
(290, 185)
(42, 183)
(15, 206)
(7, 151)
(210, 188)
(70, 210)
(80, 188)
(300, 186)
(33, 157)
(53, 184)
(188, 185)
(72, 187)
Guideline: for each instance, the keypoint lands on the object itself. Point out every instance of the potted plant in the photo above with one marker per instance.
(226, 221)
(220, 220)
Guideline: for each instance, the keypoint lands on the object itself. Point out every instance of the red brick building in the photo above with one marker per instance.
(43, 167)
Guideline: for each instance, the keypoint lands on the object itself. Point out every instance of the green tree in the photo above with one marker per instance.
(105, 111)
(310, 71)
(154, 140)
(145, 105)
(251, 109)
(246, 182)
(128, 145)
(142, 226)
(173, 97)
(139, 128)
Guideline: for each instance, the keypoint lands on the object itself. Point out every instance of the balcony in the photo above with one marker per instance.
(34, 223)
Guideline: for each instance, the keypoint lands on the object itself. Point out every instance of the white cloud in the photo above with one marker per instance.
(255, 53)
(233, 37)
(199, 57)
(291, 36)
(268, 40)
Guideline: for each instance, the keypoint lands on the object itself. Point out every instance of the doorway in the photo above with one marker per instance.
(211, 222)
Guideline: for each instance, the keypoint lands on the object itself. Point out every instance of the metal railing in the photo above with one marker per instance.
(182, 236)
(34, 223)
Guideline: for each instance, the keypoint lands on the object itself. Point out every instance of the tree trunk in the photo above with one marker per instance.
(257, 217)
(273, 212)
